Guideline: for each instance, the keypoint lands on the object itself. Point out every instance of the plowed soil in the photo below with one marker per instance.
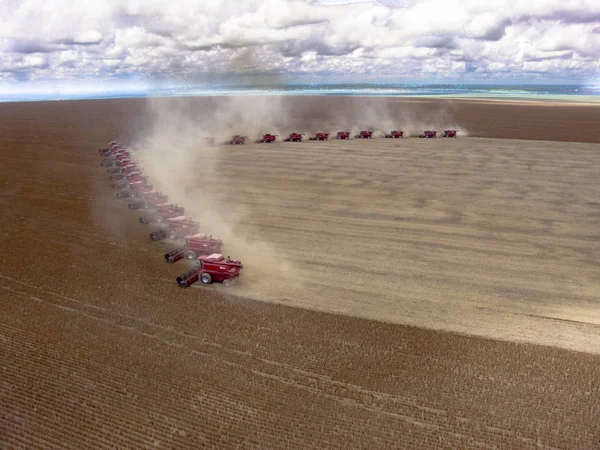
(476, 237)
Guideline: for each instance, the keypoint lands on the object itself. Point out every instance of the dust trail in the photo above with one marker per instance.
(312, 114)
(175, 154)
(381, 117)
(180, 162)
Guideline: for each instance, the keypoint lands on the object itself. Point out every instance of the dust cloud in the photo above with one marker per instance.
(175, 154)
(174, 150)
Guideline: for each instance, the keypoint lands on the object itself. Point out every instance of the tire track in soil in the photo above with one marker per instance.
(297, 378)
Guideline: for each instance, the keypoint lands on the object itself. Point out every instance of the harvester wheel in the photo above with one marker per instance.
(206, 278)
(191, 255)
(227, 282)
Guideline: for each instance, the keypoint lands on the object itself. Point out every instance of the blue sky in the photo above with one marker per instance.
(45, 44)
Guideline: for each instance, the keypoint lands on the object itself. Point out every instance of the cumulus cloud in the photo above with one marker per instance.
(402, 39)
(87, 37)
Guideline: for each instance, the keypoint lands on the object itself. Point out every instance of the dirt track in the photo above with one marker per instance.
(99, 348)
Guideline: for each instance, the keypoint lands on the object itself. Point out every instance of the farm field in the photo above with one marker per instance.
(353, 252)
(493, 237)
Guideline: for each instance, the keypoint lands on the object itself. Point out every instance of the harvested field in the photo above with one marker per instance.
(493, 237)
(99, 348)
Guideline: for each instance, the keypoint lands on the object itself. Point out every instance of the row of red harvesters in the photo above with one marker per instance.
(343, 135)
(211, 266)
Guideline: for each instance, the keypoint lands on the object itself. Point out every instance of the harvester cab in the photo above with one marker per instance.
(121, 176)
(125, 169)
(395, 134)
(178, 227)
(237, 140)
(294, 137)
(135, 191)
(319, 137)
(449, 133)
(428, 134)
(128, 182)
(267, 139)
(195, 244)
(149, 200)
(364, 134)
(162, 213)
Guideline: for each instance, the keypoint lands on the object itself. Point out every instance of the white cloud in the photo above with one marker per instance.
(45, 39)
(87, 37)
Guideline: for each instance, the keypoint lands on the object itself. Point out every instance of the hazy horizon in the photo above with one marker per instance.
(565, 92)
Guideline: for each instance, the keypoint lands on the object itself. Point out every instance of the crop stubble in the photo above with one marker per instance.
(493, 237)
(98, 347)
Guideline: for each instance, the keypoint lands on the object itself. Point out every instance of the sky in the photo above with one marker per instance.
(142, 43)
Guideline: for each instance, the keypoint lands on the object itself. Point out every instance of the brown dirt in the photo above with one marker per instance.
(98, 348)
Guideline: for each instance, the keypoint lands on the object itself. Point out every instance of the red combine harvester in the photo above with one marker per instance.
(294, 137)
(120, 156)
(126, 182)
(178, 227)
(122, 159)
(112, 151)
(343, 135)
(395, 134)
(155, 197)
(162, 213)
(117, 154)
(267, 139)
(136, 176)
(126, 169)
(237, 140)
(109, 150)
(428, 134)
(135, 190)
(113, 166)
(114, 170)
(319, 137)
(129, 176)
(149, 200)
(364, 134)
(113, 161)
(449, 133)
(212, 268)
(130, 169)
(196, 244)
(110, 163)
